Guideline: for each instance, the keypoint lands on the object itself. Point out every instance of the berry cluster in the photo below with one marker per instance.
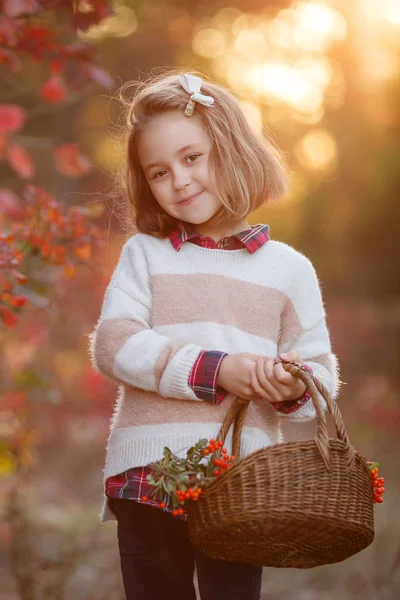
(377, 481)
(190, 494)
(55, 234)
(184, 478)
(222, 464)
(212, 447)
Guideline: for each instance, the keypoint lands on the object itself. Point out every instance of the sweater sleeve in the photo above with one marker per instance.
(125, 348)
(304, 330)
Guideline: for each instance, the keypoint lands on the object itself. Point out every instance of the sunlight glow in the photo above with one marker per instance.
(317, 25)
(373, 11)
(285, 59)
(251, 44)
(317, 151)
(285, 83)
(391, 11)
(209, 43)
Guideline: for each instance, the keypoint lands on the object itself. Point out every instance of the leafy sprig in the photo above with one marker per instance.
(184, 478)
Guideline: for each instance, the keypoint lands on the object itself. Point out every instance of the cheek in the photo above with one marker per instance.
(158, 191)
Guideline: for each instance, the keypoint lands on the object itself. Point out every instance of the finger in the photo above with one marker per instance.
(257, 387)
(288, 387)
(265, 376)
(291, 356)
(283, 376)
(282, 390)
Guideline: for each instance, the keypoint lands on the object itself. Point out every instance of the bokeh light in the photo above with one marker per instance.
(317, 151)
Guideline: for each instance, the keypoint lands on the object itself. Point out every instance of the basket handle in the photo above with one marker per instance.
(237, 412)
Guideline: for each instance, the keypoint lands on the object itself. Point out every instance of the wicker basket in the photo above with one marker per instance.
(297, 504)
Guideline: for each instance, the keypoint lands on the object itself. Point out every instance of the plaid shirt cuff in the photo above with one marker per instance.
(289, 406)
(204, 376)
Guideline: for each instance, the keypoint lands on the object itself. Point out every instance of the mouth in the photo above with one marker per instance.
(190, 198)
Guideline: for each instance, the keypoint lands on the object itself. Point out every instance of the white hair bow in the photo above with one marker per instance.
(192, 85)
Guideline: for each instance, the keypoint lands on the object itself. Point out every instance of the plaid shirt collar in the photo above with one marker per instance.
(252, 238)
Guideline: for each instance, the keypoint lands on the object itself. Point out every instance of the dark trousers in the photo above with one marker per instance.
(158, 560)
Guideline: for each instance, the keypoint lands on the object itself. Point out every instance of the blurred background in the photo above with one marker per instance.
(322, 78)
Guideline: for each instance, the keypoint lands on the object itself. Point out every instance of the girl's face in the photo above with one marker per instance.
(174, 154)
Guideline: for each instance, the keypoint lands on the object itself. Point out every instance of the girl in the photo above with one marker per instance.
(202, 307)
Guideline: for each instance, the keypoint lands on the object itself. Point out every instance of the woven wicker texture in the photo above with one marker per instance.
(297, 504)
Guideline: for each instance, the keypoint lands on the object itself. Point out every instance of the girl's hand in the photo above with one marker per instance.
(235, 375)
(273, 383)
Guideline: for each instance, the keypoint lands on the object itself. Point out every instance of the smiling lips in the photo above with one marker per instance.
(187, 200)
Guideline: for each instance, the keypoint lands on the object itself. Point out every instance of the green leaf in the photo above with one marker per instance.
(374, 465)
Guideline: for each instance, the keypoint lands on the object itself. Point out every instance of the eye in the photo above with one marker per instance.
(156, 175)
(196, 155)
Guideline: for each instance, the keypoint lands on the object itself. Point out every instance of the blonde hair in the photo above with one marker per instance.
(247, 168)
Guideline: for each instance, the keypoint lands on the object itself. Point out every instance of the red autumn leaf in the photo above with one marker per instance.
(10, 205)
(83, 20)
(12, 117)
(37, 40)
(17, 8)
(70, 160)
(8, 316)
(18, 301)
(54, 89)
(20, 161)
(59, 253)
(55, 66)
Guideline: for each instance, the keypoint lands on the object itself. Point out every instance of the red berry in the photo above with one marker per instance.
(145, 499)
(162, 505)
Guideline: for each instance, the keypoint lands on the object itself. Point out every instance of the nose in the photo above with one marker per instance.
(181, 178)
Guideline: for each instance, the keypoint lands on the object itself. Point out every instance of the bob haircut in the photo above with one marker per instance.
(247, 169)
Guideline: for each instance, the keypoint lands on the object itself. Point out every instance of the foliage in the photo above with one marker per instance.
(45, 68)
(33, 222)
(184, 478)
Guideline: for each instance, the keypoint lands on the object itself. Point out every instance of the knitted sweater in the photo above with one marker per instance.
(162, 308)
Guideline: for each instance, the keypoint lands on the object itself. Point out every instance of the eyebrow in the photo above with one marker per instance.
(178, 152)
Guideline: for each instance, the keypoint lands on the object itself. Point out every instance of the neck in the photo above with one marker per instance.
(219, 232)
